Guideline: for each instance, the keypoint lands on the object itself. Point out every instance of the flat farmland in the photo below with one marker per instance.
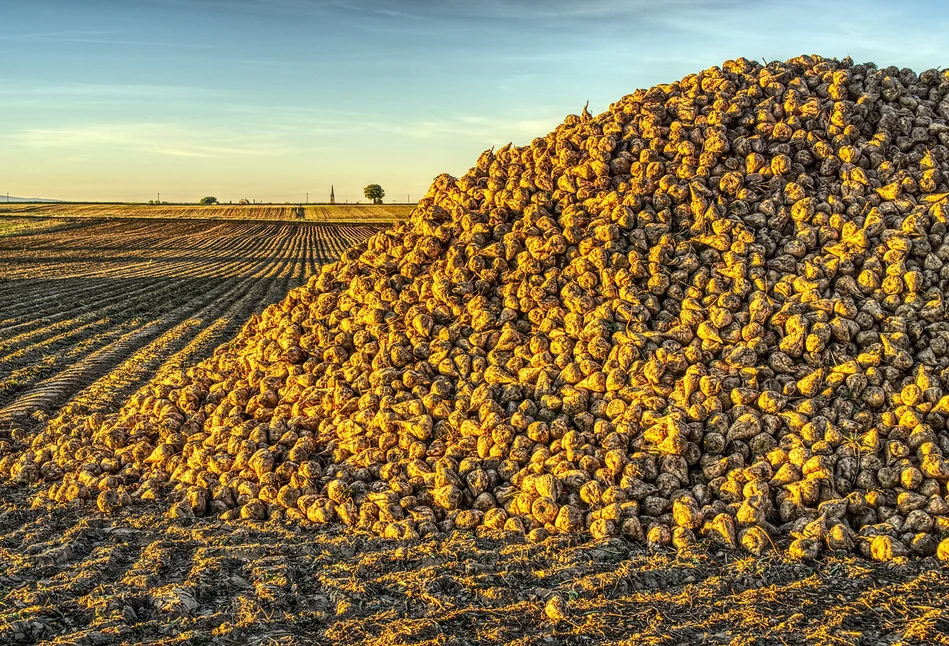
(75, 576)
(324, 213)
(91, 308)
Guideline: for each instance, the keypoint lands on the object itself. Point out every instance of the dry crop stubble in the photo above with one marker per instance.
(319, 213)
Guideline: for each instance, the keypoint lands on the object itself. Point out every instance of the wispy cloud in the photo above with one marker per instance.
(439, 9)
(54, 35)
(100, 90)
(23, 95)
(97, 38)
(155, 138)
(411, 15)
(475, 128)
(463, 128)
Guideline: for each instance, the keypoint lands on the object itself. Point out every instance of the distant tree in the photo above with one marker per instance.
(209, 200)
(375, 193)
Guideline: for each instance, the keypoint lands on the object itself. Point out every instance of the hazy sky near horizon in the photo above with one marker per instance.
(271, 99)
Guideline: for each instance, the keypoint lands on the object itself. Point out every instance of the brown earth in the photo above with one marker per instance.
(324, 213)
(71, 575)
(93, 307)
(74, 576)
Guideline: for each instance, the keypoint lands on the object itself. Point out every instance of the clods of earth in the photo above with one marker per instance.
(710, 318)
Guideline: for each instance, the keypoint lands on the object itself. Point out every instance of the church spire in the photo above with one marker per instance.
(332, 195)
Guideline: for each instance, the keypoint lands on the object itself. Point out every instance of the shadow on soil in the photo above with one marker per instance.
(72, 575)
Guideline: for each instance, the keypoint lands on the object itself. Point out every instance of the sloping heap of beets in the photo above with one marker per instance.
(715, 310)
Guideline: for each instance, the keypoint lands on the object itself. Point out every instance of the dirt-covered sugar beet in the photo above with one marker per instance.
(714, 312)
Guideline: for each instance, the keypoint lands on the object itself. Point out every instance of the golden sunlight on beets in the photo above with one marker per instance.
(682, 357)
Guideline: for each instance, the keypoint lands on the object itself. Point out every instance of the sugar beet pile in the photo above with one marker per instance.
(716, 310)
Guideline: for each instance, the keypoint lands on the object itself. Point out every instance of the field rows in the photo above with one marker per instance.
(93, 308)
(84, 578)
(373, 213)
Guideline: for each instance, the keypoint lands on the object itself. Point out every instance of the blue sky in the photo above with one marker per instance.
(271, 99)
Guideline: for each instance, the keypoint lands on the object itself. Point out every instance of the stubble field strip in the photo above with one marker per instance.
(46, 313)
(322, 213)
(100, 307)
(238, 272)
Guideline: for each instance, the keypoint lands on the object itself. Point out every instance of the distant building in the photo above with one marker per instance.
(332, 195)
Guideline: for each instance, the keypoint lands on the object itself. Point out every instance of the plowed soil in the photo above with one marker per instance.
(74, 576)
(91, 309)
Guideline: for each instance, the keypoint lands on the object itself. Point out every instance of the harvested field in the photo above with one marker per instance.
(74, 576)
(342, 213)
(606, 388)
(95, 307)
